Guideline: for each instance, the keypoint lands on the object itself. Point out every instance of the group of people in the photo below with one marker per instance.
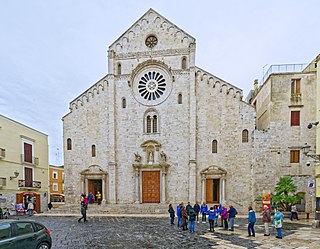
(188, 215)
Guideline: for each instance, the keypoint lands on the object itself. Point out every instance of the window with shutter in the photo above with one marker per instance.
(294, 156)
(27, 153)
(295, 118)
(28, 177)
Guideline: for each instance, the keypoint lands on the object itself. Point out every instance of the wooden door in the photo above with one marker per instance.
(28, 177)
(151, 186)
(27, 153)
(213, 190)
(37, 204)
(93, 187)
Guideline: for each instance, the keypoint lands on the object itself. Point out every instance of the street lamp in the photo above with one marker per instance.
(306, 149)
(16, 174)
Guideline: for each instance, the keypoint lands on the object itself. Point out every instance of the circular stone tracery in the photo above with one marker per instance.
(152, 85)
(151, 41)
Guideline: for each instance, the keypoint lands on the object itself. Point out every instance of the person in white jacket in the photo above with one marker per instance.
(30, 208)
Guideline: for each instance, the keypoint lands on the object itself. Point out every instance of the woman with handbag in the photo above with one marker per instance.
(278, 222)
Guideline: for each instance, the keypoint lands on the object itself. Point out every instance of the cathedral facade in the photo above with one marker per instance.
(157, 128)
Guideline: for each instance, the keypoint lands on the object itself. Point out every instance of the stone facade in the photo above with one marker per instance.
(276, 136)
(195, 109)
(157, 128)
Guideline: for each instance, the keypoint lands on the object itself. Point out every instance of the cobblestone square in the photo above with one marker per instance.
(146, 232)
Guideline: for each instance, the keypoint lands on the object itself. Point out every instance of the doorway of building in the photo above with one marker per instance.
(93, 187)
(150, 186)
(213, 190)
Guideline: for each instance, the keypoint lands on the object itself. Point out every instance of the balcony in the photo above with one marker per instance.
(3, 182)
(295, 97)
(31, 161)
(35, 184)
(289, 68)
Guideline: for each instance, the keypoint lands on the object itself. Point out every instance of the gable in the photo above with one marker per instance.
(169, 36)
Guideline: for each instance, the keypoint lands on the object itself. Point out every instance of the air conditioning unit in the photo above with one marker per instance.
(2, 153)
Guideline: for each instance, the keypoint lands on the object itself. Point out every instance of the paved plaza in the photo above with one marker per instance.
(151, 232)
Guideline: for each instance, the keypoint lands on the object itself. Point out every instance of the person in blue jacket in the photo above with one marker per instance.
(171, 211)
(212, 215)
(251, 219)
(232, 215)
(278, 222)
(218, 210)
(179, 207)
(203, 211)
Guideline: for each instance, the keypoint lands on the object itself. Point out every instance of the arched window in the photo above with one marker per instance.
(148, 124)
(155, 124)
(214, 146)
(93, 150)
(151, 121)
(124, 103)
(184, 63)
(69, 144)
(180, 98)
(245, 136)
(119, 69)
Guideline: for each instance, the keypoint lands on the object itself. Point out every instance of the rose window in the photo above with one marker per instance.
(151, 41)
(152, 85)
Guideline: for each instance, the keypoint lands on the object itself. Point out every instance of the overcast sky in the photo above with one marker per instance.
(51, 51)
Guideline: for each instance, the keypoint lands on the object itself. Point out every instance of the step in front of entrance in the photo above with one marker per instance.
(114, 209)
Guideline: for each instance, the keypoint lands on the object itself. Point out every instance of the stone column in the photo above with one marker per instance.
(86, 185)
(82, 185)
(137, 199)
(203, 188)
(223, 190)
(112, 183)
(104, 189)
(163, 186)
(192, 181)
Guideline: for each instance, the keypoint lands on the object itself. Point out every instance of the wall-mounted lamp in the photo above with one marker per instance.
(306, 149)
(16, 174)
(313, 124)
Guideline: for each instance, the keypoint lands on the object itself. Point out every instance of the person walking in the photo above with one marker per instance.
(251, 219)
(266, 219)
(196, 209)
(232, 215)
(184, 218)
(50, 205)
(224, 216)
(98, 197)
(30, 208)
(83, 212)
(294, 213)
(192, 219)
(203, 211)
(212, 214)
(278, 222)
(171, 211)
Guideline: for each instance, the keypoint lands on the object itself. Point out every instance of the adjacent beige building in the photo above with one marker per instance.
(23, 164)
(285, 104)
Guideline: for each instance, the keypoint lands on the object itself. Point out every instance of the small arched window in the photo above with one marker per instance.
(184, 63)
(148, 124)
(180, 98)
(214, 146)
(119, 69)
(124, 103)
(245, 136)
(69, 144)
(93, 150)
(155, 124)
